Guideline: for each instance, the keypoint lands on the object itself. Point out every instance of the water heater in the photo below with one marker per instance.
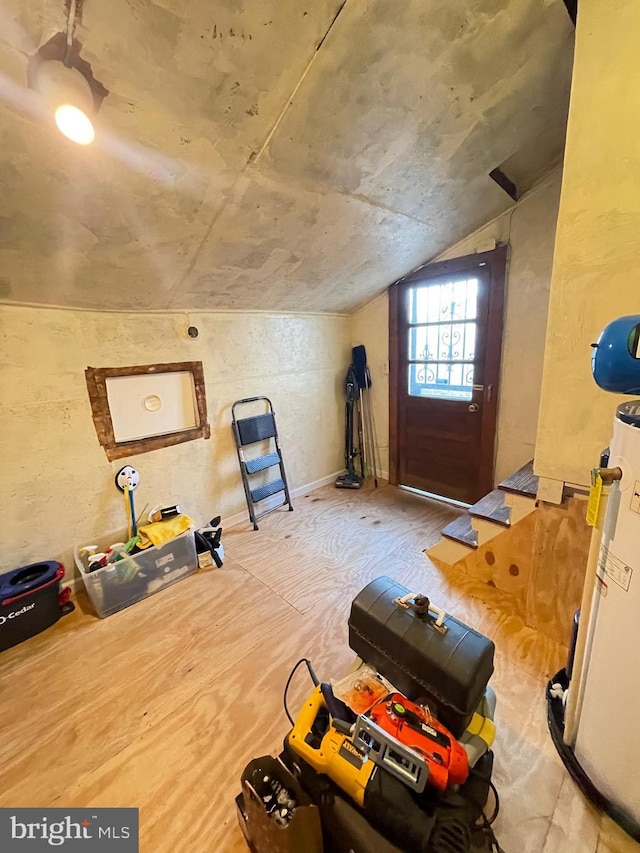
(607, 745)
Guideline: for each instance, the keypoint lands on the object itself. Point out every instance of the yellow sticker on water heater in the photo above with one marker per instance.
(595, 495)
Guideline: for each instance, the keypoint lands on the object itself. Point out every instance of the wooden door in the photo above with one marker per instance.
(445, 342)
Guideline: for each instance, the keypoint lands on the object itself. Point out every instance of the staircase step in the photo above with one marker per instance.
(492, 508)
(520, 506)
(460, 530)
(447, 553)
(522, 482)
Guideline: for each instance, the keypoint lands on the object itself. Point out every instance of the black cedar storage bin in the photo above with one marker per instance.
(450, 670)
(30, 601)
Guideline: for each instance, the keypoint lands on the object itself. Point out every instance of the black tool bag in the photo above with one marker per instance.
(263, 827)
(395, 819)
(424, 653)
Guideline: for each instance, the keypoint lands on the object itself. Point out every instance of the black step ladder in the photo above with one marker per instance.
(248, 431)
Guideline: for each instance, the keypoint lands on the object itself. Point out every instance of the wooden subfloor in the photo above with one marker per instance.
(162, 705)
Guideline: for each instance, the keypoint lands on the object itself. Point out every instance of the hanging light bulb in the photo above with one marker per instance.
(75, 124)
(68, 95)
(75, 99)
(71, 94)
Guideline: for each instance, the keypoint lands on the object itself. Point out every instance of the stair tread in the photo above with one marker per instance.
(521, 482)
(460, 530)
(492, 508)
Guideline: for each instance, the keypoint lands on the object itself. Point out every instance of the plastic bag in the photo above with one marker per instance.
(361, 689)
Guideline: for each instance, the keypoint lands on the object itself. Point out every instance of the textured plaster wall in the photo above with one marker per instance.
(58, 486)
(530, 229)
(596, 265)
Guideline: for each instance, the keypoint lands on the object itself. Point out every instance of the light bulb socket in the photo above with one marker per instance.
(73, 77)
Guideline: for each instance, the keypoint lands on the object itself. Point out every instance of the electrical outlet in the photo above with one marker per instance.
(127, 476)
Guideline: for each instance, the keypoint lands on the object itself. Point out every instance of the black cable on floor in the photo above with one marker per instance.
(485, 826)
(314, 678)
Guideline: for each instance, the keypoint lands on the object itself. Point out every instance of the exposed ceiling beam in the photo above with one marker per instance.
(504, 183)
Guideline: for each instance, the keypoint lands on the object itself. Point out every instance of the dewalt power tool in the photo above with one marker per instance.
(326, 744)
(395, 734)
(388, 779)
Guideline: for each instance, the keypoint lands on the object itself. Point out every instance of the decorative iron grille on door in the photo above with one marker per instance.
(442, 339)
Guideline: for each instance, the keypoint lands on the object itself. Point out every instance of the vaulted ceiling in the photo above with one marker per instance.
(270, 154)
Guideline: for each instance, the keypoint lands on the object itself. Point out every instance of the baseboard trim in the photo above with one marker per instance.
(74, 583)
(317, 484)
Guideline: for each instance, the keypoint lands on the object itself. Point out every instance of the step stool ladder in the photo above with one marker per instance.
(248, 431)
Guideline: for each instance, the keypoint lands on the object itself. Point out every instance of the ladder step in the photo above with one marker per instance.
(257, 428)
(268, 489)
(261, 463)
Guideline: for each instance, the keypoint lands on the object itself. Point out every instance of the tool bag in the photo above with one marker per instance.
(394, 819)
(264, 830)
(426, 654)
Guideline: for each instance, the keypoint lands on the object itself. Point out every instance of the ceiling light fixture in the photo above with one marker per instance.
(71, 93)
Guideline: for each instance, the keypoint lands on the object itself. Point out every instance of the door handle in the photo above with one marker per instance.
(473, 407)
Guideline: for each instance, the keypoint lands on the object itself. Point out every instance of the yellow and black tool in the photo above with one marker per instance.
(325, 744)
(332, 747)
(397, 805)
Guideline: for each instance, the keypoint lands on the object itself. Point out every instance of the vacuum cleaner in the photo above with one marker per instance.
(352, 435)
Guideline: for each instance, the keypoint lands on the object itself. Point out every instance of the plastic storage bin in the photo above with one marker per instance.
(127, 581)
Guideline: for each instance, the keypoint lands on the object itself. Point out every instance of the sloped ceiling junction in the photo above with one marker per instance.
(270, 154)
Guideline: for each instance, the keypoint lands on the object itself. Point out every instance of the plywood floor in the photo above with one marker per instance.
(162, 705)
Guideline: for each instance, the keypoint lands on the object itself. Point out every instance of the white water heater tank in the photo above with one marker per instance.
(607, 743)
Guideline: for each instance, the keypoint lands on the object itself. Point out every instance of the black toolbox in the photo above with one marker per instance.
(440, 660)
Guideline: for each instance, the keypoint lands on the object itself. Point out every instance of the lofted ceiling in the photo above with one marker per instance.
(271, 154)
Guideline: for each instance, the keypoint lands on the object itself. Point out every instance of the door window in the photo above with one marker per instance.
(442, 338)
